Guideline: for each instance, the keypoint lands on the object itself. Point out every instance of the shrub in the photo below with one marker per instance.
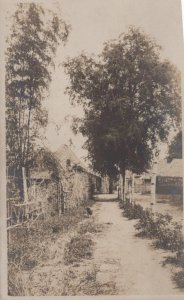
(180, 258)
(157, 226)
(89, 227)
(179, 279)
(29, 246)
(177, 259)
(131, 210)
(170, 237)
(168, 234)
(146, 225)
(79, 247)
(16, 285)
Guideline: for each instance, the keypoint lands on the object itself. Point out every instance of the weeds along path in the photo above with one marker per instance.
(128, 261)
(100, 255)
(70, 268)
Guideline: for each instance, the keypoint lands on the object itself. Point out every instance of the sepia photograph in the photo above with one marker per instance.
(93, 167)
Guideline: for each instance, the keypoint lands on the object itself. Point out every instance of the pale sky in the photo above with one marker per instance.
(94, 22)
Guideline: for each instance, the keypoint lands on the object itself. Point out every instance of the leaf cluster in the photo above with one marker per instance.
(131, 98)
(31, 48)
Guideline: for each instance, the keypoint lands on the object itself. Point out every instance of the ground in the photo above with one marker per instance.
(130, 261)
(121, 263)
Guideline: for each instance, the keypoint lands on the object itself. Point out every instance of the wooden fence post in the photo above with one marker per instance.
(24, 186)
(133, 185)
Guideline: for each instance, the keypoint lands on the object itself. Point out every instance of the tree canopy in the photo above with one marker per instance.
(131, 98)
(31, 47)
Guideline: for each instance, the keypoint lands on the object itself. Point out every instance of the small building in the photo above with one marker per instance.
(81, 184)
(61, 180)
(44, 182)
(53, 183)
(169, 179)
(142, 183)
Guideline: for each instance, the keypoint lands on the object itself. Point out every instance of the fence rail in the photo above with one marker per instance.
(40, 199)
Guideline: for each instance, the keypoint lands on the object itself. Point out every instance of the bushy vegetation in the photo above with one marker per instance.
(89, 227)
(160, 227)
(179, 279)
(29, 246)
(166, 233)
(85, 282)
(79, 247)
(131, 210)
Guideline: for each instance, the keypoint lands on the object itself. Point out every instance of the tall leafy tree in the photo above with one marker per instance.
(31, 47)
(131, 98)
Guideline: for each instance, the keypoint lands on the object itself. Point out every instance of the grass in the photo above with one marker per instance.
(89, 284)
(176, 260)
(89, 227)
(165, 233)
(15, 281)
(179, 279)
(85, 283)
(72, 274)
(77, 274)
(79, 247)
(28, 247)
(160, 227)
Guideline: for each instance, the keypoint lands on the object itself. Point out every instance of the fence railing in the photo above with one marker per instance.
(41, 198)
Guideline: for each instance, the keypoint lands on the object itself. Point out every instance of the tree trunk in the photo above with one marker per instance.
(123, 175)
(110, 185)
(19, 183)
(60, 198)
(119, 187)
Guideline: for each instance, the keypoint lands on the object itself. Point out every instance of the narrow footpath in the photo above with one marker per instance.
(129, 261)
(120, 263)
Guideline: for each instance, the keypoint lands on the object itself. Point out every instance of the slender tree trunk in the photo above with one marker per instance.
(123, 176)
(110, 185)
(61, 196)
(19, 183)
(28, 134)
(119, 187)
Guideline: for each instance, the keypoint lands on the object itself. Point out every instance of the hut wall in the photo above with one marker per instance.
(77, 190)
(44, 192)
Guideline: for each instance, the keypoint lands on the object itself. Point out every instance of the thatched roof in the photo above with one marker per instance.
(64, 154)
(45, 165)
(48, 164)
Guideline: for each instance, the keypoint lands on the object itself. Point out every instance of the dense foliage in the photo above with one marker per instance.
(31, 47)
(166, 233)
(131, 98)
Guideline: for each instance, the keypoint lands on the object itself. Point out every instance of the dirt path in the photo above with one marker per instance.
(120, 264)
(130, 262)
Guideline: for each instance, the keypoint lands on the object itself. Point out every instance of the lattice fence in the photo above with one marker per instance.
(42, 198)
